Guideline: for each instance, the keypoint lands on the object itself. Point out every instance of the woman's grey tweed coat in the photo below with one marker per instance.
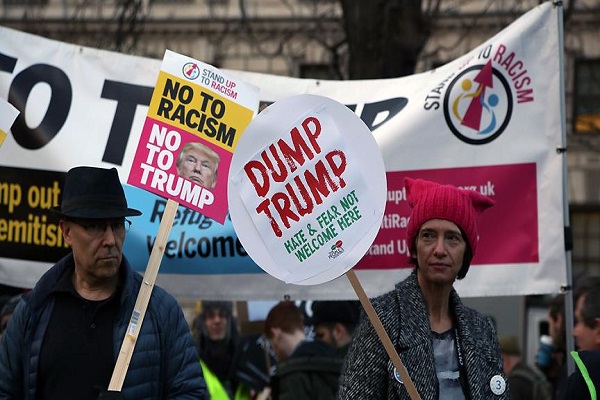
(368, 372)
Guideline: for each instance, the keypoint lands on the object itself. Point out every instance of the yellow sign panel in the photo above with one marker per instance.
(199, 111)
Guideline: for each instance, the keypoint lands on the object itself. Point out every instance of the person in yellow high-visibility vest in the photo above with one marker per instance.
(217, 391)
(216, 336)
(234, 368)
(215, 388)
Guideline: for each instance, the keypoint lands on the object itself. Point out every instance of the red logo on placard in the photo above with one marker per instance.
(336, 250)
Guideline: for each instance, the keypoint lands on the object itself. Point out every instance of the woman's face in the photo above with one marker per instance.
(440, 250)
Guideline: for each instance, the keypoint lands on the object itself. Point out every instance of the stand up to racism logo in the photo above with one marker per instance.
(478, 104)
(479, 101)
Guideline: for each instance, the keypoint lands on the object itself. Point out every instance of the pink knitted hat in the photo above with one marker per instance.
(430, 200)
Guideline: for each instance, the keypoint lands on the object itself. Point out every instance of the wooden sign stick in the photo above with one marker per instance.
(141, 304)
(385, 339)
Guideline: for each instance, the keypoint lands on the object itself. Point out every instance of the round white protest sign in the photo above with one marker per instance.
(307, 189)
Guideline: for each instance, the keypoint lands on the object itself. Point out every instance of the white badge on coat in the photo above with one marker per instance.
(498, 384)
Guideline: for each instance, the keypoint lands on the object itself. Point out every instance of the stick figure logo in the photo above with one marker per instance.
(478, 104)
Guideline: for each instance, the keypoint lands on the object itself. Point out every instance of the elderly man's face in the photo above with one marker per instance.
(440, 251)
(199, 167)
(97, 246)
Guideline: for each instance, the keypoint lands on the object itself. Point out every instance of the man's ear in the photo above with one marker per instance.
(66, 231)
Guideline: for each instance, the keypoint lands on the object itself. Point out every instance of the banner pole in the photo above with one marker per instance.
(570, 342)
(385, 339)
(141, 304)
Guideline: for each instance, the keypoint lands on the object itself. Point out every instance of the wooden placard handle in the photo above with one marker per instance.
(141, 304)
(385, 339)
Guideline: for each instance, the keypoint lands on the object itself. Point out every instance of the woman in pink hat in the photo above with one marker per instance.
(449, 350)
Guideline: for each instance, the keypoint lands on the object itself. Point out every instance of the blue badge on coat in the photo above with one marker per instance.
(397, 376)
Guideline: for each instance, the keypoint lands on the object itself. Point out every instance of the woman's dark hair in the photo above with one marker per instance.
(468, 257)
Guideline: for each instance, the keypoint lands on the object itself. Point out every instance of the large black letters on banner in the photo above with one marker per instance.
(7, 63)
(58, 109)
(371, 110)
(128, 97)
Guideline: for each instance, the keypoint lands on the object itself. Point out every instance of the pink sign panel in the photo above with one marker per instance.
(174, 162)
(508, 231)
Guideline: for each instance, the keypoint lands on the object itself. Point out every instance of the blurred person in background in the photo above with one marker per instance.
(587, 312)
(551, 357)
(216, 335)
(306, 369)
(525, 381)
(334, 322)
(584, 383)
(253, 364)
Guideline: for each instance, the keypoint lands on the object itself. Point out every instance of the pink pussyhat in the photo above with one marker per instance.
(430, 200)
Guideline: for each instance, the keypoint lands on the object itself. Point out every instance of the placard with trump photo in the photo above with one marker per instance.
(196, 117)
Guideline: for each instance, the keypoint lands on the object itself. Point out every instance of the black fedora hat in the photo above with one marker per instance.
(96, 193)
(331, 311)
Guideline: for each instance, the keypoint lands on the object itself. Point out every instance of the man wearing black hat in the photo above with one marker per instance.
(65, 335)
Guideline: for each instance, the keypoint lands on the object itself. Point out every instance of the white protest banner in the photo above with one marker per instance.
(418, 121)
(8, 114)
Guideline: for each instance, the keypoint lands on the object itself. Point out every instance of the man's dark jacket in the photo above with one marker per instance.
(311, 372)
(165, 363)
(577, 387)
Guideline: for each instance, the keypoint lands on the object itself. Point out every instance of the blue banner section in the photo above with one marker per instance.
(197, 245)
